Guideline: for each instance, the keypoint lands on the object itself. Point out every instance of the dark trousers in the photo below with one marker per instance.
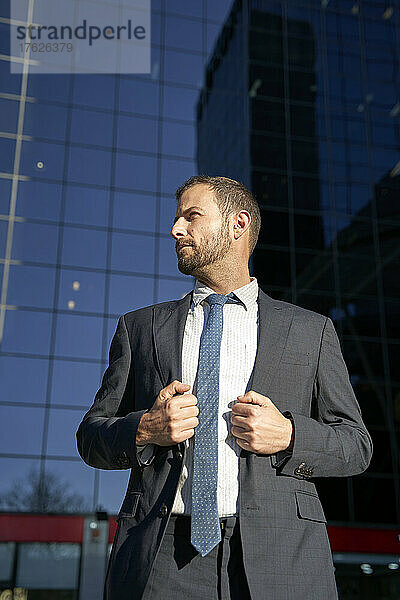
(179, 572)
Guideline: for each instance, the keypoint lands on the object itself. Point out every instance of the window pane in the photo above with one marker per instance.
(10, 82)
(54, 88)
(136, 133)
(41, 159)
(81, 291)
(86, 206)
(183, 68)
(34, 242)
(48, 566)
(16, 427)
(132, 253)
(27, 331)
(179, 103)
(135, 172)
(77, 482)
(75, 382)
(370, 493)
(78, 336)
(31, 286)
(7, 152)
(128, 293)
(45, 121)
(174, 173)
(173, 290)
(89, 166)
(3, 237)
(14, 473)
(178, 140)
(183, 7)
(134, 211)
(84, 247)
(8, 115)
(14, 388)
(138, 96)
(5, 193)
(167, 258)
(183, 33)
(39, 200)
(272, 267)
(91, 127)
(335, 505)
(167, 215)
(62, 429)
(99, 93)
(6, 560)
(112, 490)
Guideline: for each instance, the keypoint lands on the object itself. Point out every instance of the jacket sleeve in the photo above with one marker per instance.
(336, 442)
(106, 437)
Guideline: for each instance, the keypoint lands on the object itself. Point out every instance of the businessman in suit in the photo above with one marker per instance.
(224, 404)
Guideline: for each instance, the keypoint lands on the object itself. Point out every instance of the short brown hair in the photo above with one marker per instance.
(230, 196)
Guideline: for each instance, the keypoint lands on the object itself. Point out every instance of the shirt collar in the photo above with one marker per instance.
(247, 294)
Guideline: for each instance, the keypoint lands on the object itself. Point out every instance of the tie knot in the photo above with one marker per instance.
(219, 299)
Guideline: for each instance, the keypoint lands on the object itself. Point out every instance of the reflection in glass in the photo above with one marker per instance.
(78, 336)
(48, 566)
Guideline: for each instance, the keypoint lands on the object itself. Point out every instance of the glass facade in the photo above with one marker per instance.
(316, 136)
(300, 101)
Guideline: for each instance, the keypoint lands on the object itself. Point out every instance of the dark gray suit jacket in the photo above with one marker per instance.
(299, 366)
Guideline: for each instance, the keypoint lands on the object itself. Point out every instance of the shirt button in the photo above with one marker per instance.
(179, 455)
(163, 510)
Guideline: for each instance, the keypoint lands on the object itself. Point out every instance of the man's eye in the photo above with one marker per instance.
(193, 214)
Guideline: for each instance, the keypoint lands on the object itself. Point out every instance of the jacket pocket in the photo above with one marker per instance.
(309, 507)
(129, 505)
(295, 358)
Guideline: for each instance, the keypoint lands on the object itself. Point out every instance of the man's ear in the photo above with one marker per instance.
(241, 223)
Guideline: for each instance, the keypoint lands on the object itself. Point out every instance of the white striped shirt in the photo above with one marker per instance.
(238, 351)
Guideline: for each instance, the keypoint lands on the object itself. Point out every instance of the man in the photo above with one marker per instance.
(224, 405)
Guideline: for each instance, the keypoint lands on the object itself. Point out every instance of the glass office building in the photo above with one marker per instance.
(319, 146)
(298, 99)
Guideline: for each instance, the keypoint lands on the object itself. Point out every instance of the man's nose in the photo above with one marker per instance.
(179, 229)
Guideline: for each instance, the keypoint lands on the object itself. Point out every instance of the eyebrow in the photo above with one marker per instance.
(188, 210)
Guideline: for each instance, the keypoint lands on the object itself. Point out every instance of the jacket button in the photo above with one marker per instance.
(163, 510)
(300, 469)
(123, 461)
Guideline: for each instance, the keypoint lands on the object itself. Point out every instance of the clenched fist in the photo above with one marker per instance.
(171, 419)
(259, 426)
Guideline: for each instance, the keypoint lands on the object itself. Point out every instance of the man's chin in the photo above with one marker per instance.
(185, 268)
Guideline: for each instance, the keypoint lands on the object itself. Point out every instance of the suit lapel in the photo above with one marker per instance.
(274, 323)
(168, 327)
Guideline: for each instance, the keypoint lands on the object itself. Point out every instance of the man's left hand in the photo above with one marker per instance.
(258, 425)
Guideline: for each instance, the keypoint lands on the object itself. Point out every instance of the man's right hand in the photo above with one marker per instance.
(171, 419)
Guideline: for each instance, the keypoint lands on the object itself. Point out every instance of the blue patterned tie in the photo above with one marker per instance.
(205, 527)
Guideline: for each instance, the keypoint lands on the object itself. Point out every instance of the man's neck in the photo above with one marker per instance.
(225, 286)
